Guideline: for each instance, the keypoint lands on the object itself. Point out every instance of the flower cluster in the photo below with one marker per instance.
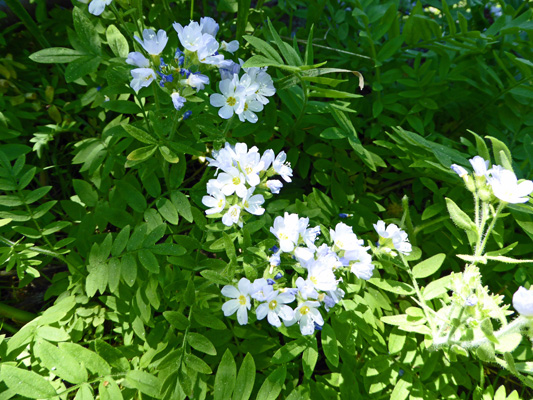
(244, 181)
(243, 96)
(497, 181)
(183, 76)
(323, 266)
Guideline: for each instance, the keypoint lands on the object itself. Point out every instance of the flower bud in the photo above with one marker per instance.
(470, 184)
(485, 194)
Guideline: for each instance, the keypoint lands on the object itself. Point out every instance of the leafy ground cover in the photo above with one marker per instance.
(178, 221)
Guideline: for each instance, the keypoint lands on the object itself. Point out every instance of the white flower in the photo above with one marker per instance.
(209, 26)
(505, 186)
(142, 77)
(177, 100)
(320, 274)
(275, 308)
(228, 70)
(223, 159)
(343, 237)
(304, 255)
(191, 36)
(250, 107)
(275, 259)
(231, 100)
(332, 297)
(97, 7)
(274, 185)
(393, 234)
(523, 301)
(241, 300)
(232, 216)
(286, 231)
(265, 87)
(206, 51)
(137, 59)
(251, 165)
(260, 289)
(362, 266)
(152, 43)
(281, 167)
(196, 81)
(480, 165)
(217, 202)
(252, 204)
(232, 181)
(459, 170)
(230, 47)
(307, 315)
(306, 289)
(267, 158)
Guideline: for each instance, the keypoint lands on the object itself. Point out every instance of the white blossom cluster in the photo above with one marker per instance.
(185, 74)
(320, 286)
(245, 177)
(500, 182)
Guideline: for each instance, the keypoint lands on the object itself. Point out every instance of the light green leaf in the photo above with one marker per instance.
(117, 42)
(329, 344)
(56, 55)
(459, 217)
(201, 343)
(428, 267)
(225, 377)
(144, 382)
(60, 362)
(197, 364)
(271, 387)
(26, 383)
(393, 286)
(245, 379)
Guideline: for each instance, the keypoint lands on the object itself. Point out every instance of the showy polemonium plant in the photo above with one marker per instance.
(195, 65)
(245, 180)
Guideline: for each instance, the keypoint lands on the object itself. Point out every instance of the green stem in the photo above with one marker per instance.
(118, 16)
(192, 9)
(15, 314)
(421, 300)
(8, 328)
(489, 230)
(484, 216)
(228, 125)
(145, 115)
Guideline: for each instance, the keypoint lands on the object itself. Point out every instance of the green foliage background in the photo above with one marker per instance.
(102, 221)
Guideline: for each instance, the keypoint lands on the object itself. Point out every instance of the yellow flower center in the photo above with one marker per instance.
(272, 305)
(283, 236)
(304, 310)
(231, 101)
(246, 204)
(245, 106)
(248, 170)
(242, 300)
(220, 203)
(236, 181)
(313, 279)
(339, 244)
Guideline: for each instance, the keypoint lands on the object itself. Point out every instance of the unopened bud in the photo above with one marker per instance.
(485, 194)
(470, 184)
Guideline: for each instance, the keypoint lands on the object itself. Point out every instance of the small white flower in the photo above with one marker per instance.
(152, 43)
(392, 233)
(252, 204)
(232, 216)
(281, 167)
(320, 274)
(307, 315)
(304, 255)
(306, 289)
(216, 202)
(142, 77)
(206, 51)
(343, 237)
(249, 110)
(459, 170)
(251, 165)
(505, 186)
(230, 47)
(231, 100)
(137, 59)
(275, 259)
(190, 36)
(332, 297)
(480, 165)
(523, 301)
(97, 7)
(265, 87)
(233, 181)
(196, 81)
(228, 70)
(260, 289)
(267, 158)
(222, 159)
(241, 300)
(286, 231)
(274, 185)
(177, 100)
(209, 26)
(275, 308)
